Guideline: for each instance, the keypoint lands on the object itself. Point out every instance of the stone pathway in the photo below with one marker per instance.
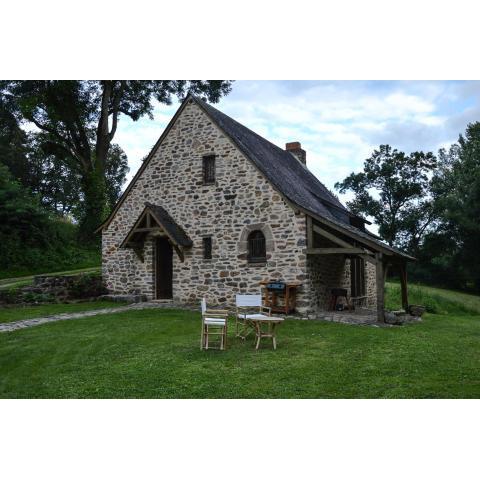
(32, 322)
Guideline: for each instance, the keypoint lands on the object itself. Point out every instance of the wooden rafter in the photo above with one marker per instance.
(333, 251)
(333, 238)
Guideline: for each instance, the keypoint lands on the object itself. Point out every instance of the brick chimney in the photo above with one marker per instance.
(296, 149)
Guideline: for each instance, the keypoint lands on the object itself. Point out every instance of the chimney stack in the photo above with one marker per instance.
(296, 149)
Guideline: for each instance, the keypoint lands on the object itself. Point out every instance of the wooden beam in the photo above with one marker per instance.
(403, 284)
(179, 252)
(332, 237)
(380, 281)
(148, 230)
(339, 250)
(309, 232)
(369, 259)
(369, 243)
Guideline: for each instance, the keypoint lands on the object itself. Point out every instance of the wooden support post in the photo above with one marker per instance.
(403, 283)
(380, 280)
(309, 232)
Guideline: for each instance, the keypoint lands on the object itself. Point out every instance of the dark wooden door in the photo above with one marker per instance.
(163, 268)
(357, 277)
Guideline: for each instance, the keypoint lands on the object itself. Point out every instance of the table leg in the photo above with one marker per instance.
(274, 339)
(258, 333)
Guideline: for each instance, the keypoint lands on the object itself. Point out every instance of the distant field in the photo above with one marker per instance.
(437, 300)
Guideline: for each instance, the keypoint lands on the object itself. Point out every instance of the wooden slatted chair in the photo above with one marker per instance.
(214, 322)
(245, 305)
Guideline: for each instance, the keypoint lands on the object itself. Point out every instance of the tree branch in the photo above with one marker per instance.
(115, 109)
(64, 143)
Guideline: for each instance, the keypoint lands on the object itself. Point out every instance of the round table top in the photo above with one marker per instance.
(259, 317)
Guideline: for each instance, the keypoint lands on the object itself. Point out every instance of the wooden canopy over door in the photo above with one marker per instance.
(156, 221)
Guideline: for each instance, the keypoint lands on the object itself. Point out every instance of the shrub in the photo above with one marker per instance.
(32, 297)
(87, 286)
(10, 295)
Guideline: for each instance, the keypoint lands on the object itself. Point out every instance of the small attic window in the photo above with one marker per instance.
(209, 170)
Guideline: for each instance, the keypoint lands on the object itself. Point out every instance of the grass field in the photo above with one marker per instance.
(155, 354)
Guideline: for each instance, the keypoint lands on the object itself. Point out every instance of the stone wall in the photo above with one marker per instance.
(333, 271)
(371, 284)
(324, 273)
(241, 197)
(66, 287)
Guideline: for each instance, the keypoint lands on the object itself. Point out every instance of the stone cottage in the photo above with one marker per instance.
(215, 209)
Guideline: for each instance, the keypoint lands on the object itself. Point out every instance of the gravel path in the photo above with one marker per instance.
(32, 322)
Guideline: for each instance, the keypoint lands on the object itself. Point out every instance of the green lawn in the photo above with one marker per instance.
(155, 354)
(16, 282)
(12, 314)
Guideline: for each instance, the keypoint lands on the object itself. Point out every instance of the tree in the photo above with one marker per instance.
(14, 148)
(394, 189)
(20, 214)
(80, 119)
(115, 174)
(457, 189)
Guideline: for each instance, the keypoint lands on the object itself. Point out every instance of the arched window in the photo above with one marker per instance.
(256, 247)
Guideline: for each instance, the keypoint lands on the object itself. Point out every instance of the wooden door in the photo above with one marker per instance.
(357, 277)
(163, 268)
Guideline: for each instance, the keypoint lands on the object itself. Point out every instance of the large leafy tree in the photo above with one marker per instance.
(457, 188)
(15, 147)
(81, 118)
(394, 189)
(22, 220)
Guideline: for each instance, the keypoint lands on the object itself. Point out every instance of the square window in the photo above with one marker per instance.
(207, 248)
(209, 170)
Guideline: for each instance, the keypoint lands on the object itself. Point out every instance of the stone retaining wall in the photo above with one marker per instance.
(64, 287)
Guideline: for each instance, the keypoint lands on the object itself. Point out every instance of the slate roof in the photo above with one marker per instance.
(283, 170)
(174, 231)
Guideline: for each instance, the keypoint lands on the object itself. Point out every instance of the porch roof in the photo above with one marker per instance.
(155, 219)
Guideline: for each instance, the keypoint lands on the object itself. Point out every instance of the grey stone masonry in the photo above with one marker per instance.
(240, 200)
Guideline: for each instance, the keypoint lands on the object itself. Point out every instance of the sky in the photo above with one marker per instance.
(338, 123)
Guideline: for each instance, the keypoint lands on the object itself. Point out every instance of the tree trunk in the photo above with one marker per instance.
(95, 209)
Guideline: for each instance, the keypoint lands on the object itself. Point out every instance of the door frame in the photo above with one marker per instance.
(156, 271)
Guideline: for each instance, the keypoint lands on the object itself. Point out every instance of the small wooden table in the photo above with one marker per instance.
(257, 320)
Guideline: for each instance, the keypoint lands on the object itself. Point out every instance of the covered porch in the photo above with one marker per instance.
(369, 260)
